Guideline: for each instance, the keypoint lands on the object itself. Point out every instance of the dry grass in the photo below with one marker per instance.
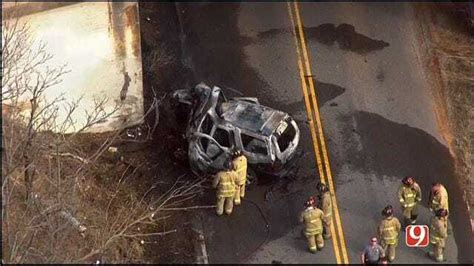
(449, 46)
(117, 216)
(65, 197)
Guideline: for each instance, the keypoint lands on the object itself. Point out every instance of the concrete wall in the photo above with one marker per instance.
(100, 43)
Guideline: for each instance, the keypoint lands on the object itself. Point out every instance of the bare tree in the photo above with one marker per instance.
(69, 214)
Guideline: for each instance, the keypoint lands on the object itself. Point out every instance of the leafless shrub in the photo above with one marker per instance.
(55, 205)
(144, 132)
(159, 58)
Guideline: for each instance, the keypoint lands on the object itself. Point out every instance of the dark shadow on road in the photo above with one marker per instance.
(396, 150)
(215, 46)
(344, 34)
(325, 92)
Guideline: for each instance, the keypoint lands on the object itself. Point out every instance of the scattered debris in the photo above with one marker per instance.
(115, 154)
(134, 133)
(67, 154)
(74, 222)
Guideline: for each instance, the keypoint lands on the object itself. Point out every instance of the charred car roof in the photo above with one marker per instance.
(252, 117)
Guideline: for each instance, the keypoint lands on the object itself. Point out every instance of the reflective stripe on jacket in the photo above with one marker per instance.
(226, 186)
(409, 196)
(389, 229)
(440, 201)
(313, 221)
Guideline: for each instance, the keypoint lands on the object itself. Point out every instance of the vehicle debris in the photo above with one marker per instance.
(113, 154)
(216, 126)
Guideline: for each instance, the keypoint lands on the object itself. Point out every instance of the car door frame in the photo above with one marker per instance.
(252, 156)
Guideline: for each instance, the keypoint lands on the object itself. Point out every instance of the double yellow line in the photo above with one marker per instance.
(319, 144)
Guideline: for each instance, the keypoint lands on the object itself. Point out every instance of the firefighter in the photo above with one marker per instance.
(438, 234)
(388, 232)
(438, 198)
(409, 195)
(312, 217)
(224, 181)
(240, 166)
(324, 200)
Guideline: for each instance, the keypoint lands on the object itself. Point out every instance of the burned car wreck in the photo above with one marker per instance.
(216, 125)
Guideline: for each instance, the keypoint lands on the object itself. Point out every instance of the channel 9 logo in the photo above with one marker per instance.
(417, 236)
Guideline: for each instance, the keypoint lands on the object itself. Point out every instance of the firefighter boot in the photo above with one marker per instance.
(320, 241)
(438, 253)
(391, 253)
(242, 191)
(220, 206)
(237, 195)
(312, 243)
(229, 205)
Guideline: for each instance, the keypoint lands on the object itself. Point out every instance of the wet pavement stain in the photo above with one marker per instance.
(216, 49)
(271, 33)
(398, 150)
(327, 91)
(328, 34)
(380, 75)
(346, 36)
(280, 211)
(324, 91)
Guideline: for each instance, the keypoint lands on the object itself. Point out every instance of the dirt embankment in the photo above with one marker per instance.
(449, 58)
(163, 73)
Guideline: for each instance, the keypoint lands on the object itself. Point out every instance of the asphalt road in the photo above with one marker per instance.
(376, 109)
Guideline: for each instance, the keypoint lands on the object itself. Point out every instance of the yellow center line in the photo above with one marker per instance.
(321, 134)
(312, 127)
